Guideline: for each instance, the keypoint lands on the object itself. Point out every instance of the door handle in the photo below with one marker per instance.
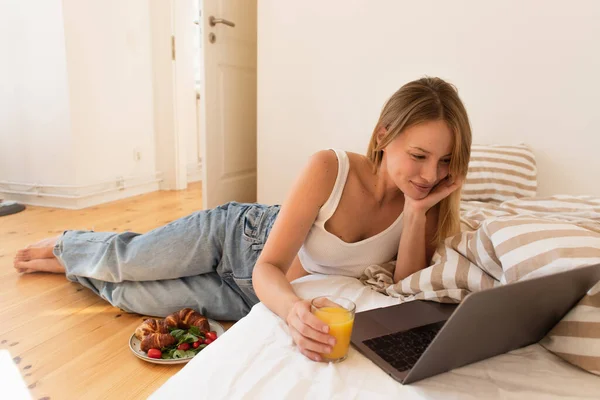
(212, 21)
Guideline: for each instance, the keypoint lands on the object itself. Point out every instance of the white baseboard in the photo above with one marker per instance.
(79, 203)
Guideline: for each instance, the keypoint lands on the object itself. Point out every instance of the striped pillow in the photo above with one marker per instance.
(576, 338)
(508, 242)
(499, 173)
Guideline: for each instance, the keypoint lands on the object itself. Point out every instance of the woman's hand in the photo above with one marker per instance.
(442, 190)
(309, 332)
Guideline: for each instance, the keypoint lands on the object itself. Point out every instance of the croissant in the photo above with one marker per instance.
(155, 334)
(157, 341)
(150, 326)
(185, 318)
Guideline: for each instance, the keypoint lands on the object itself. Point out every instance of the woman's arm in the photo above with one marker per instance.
(420, 226)
(416, 248)
(291, 227)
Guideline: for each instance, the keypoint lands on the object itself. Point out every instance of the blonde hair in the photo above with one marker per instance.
(423, 100)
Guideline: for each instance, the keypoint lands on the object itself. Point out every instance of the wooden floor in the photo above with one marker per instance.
(67, 342)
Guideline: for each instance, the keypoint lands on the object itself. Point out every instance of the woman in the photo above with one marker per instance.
(345, 212)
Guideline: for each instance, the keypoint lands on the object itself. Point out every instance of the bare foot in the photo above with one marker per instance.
(40, 265)
(33, 253)
(40, 251)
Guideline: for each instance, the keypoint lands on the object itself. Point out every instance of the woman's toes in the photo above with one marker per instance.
(33, 253)
(22, 255)
(20, 265)
(41, 265)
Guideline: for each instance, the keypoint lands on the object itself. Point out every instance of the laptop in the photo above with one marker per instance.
(419, 339)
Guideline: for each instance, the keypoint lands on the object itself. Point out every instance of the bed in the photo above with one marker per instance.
(257, 359)
(504, 238)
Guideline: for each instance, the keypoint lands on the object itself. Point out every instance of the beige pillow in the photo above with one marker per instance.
(498, 173)
(576, 338)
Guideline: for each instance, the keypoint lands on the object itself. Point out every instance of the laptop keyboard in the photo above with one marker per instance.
(403, 349)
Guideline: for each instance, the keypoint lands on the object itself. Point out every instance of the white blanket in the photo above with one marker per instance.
(256, 359)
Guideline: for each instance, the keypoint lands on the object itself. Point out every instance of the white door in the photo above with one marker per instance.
(228, 102)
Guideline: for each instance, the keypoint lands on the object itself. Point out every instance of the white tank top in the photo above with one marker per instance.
(325, 253)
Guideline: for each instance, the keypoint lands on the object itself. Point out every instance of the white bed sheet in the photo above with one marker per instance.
(256, 358)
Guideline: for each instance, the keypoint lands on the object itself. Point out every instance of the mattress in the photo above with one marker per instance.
(257, 358)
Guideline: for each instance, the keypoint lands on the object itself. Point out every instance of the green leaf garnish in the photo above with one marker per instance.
(177, 333)
(194, 331)
(183, 336)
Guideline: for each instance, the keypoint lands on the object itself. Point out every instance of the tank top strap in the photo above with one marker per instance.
(332, 202)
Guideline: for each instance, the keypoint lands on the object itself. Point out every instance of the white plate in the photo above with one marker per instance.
(134, 345)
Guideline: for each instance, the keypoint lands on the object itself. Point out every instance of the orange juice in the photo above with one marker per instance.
(340, 323)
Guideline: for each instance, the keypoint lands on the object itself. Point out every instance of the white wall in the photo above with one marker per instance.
(35, 128)
(77, 100)
(526, 70)
(110, 83)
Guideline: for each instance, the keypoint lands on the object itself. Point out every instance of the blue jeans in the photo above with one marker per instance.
(203, 261)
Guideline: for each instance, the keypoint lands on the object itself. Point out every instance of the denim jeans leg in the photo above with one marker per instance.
(207, 293)
(204, 261)
(189, 246)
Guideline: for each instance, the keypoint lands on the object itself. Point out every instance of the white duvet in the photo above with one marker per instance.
(256, 359)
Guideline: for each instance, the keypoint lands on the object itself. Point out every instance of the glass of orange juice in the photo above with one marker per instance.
(338, 314)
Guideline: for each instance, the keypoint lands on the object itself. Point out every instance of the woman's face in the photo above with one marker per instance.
(419, 158)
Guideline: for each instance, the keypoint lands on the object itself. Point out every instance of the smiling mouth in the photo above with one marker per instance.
(421, 187)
